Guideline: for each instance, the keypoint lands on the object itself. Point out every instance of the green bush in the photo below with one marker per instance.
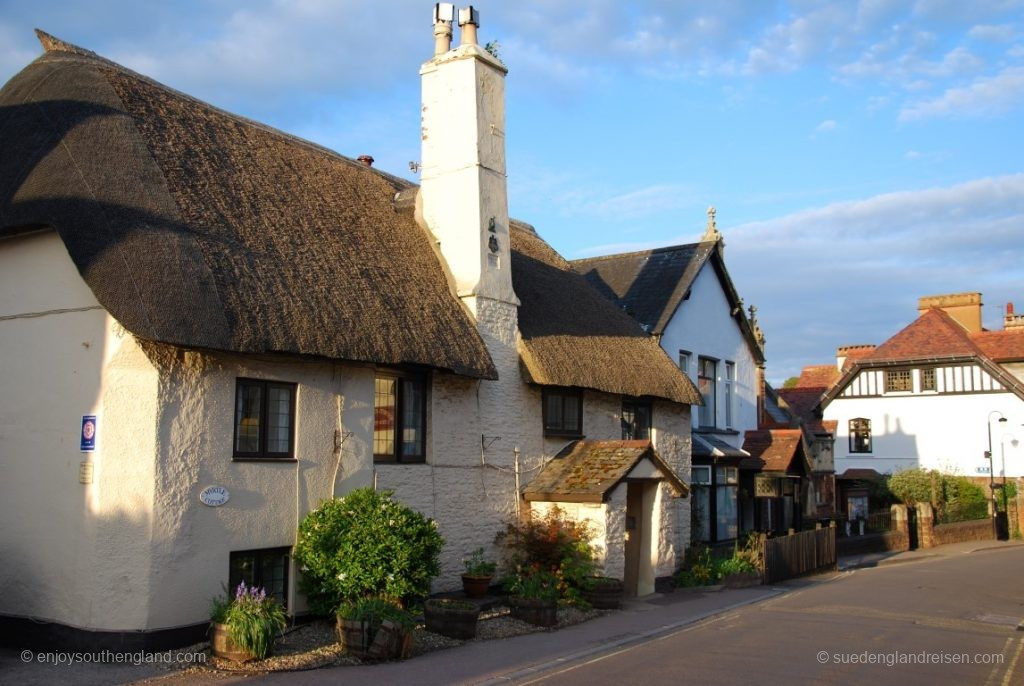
(955, 498)
(699, 569)
(535, 583)
(366, 544)
(554, 543)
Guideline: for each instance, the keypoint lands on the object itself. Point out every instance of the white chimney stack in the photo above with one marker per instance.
(463, 190)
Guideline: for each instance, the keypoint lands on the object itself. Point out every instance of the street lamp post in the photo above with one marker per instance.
(992, 471)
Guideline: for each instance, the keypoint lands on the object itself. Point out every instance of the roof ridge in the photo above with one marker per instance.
(52, 44)
(649, 251)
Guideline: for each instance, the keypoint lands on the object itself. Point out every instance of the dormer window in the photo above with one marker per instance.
(898, 381)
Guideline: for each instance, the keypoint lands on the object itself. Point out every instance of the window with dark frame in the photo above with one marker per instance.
(860, 435)
(928, 379)
(399, 418)
(264, 419)
(898, 380)
(706, 377)
(563, 411)
(684, 361)
(636, 420)
(266, 568)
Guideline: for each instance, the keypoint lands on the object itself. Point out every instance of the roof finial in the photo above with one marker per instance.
(711, 233)
(758, 333)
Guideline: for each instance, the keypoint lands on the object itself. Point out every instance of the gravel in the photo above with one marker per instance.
(315, 645)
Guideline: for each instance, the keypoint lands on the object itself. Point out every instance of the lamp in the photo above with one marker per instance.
(992, 472)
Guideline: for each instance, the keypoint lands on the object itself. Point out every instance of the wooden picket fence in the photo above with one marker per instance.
(801, 553)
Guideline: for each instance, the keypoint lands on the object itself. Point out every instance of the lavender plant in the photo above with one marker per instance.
(252, 618)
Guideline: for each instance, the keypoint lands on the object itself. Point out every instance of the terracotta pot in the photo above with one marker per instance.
(536, 612)
(390, 642)
(476, 586)
(453, 622)
(223, 647)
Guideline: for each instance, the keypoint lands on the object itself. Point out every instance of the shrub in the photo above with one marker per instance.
(699, 569)
(535, 583)
(478, 565)
(252, 619)
(554, 543)
(363, 545)
(955, 498)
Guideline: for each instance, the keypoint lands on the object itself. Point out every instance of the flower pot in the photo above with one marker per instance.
(605, 593)
(223, 647)
(450, 619)
(476, 586)
(534, 611)
(390, 642)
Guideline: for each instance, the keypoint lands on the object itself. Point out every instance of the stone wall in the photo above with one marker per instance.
(958, 532)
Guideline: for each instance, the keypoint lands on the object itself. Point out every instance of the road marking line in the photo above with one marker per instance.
(1013, 663)
(994, 674)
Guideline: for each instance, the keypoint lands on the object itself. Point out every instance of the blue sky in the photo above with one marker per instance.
(859, 154)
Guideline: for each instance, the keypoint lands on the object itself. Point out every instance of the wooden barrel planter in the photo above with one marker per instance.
(452, 618)
(223, 647)
(475, 586)
(390, 641)
(533, 611)
(603, 592)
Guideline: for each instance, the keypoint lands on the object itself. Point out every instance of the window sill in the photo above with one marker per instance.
(715, 430)
(397, 463)
(567, 436)
(269, 460)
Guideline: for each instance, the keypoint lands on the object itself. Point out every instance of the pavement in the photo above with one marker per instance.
(517, 659)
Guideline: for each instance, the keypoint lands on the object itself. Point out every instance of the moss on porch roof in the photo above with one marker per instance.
(586, 471)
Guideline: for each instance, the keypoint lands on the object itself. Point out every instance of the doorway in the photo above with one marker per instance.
(638, 575)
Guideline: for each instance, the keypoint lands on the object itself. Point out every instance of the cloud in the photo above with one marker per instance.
(827, 126)
(1003, 33)
(986, 96)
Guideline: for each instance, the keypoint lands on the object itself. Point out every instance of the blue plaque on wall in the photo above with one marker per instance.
(88, 433)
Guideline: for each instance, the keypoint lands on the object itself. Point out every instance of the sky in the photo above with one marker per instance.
(860, 154)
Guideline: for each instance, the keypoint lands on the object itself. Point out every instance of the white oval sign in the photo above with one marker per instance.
(214, 496)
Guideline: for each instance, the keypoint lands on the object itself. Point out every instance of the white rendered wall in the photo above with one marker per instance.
(944, 432)
(703, 326)
(74, 553)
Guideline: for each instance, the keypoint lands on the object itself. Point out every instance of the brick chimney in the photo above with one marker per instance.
(965, 308)
(1013, 321)
(463, 197)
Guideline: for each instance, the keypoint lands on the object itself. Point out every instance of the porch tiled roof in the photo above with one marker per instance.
(588, 470)
(859, 475)
(777, 448)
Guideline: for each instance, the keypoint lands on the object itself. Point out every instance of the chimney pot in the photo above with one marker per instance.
(444, 14)
(366, 159)
(469, 22)
(1009, 308)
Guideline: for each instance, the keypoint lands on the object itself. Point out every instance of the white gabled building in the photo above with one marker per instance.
(683, 296)
(932, 396)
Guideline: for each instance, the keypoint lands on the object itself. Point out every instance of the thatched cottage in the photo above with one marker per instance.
(209, 327)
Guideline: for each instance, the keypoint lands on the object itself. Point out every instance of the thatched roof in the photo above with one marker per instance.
(198, 228)
(587, 471)
(573, 336)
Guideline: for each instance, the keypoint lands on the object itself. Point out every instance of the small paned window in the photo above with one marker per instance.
(267, 569)
(928, 379)
(860, 435)
(728, 386)
(563, 412)
(636, 420)
(264, 419)
(898, 380)
(706, 377)
(399, 418)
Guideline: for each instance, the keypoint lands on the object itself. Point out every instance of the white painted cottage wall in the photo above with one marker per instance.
(73, 552)
(703, 326)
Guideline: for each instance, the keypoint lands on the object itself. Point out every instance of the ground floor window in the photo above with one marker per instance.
(700, 484)
(715, 503)
(266, 568)
(726, 511)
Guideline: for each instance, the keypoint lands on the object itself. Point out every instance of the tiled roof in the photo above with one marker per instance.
(777, 448)
(802, 401)
(817, 377)
(588, 470)
(933, 334)
(1001, 346)
(859, 475)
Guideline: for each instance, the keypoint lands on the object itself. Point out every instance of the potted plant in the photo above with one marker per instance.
(533, 596)
(603, 592)
(452, 618)
(243, 627)
(477, 579)
(376, 628)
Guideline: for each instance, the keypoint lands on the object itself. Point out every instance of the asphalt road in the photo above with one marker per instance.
(950, 620)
